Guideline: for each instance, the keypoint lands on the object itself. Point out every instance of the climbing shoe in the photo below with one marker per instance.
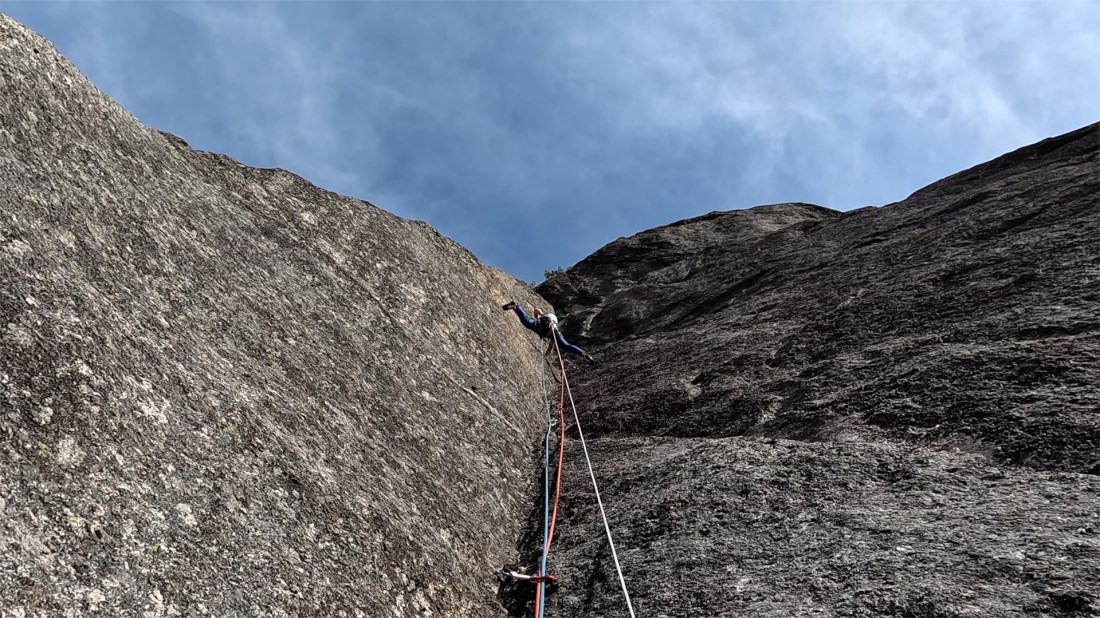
(509, 305)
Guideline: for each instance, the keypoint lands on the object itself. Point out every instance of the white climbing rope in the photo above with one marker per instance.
(592, 474)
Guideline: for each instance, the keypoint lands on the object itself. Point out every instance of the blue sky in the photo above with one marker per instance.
(535, 132)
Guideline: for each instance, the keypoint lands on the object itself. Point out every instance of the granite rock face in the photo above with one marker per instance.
(884, 412)
(225, 391)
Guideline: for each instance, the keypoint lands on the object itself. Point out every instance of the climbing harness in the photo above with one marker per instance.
(547, 323)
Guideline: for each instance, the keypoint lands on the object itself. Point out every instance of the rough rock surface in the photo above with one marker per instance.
(885, 412)
(224, 391)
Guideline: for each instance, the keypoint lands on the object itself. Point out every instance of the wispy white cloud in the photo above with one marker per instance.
(270, 86)
(534, 132)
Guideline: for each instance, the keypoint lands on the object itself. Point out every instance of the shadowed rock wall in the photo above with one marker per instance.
(226, 391)
(966, 313)
(884, 412)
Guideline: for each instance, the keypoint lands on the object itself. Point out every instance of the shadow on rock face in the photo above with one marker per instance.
(884, 412)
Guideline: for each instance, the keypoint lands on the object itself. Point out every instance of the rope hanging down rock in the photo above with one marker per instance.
(591, 474)
(549, 518)
(540, 588)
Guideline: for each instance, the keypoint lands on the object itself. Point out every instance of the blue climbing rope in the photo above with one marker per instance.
(541, 594)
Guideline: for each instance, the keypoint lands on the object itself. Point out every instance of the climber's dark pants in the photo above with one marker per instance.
(534, 325)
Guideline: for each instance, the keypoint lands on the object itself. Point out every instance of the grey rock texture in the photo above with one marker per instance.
(885, 412)
(224, 391)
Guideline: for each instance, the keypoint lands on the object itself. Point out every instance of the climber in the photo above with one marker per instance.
(543, 325)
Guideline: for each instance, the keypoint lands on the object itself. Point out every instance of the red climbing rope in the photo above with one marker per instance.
(561, 459)
(542, 576)
(595, 487)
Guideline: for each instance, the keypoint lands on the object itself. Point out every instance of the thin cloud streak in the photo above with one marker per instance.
(535, 133)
